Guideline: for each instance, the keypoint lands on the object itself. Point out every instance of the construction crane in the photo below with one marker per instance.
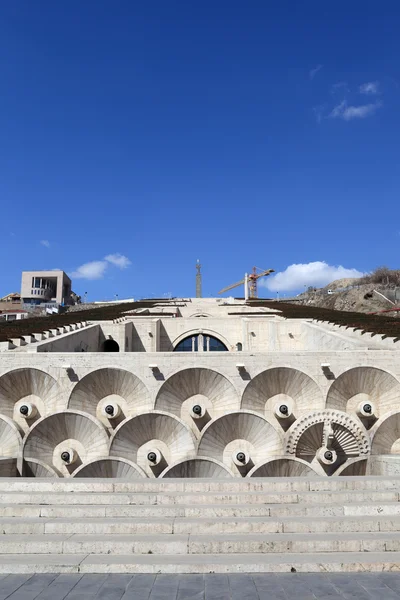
(250, 282)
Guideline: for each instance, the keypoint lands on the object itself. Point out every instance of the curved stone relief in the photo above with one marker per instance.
(282, 387)
(328, 437)
(153, 440)
(111, 395)
(28, 394)
(8, 467)
(365, 387)
(386, 435)
(33, 467)
(285, 466)
(110, 467)
(198, 467)
(200, 389)
(240, 440)
(65, 440)
(10, 438)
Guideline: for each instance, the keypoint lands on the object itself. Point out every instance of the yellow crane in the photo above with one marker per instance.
(250, 281)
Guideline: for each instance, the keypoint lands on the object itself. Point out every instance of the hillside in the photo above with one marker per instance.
(352, 295)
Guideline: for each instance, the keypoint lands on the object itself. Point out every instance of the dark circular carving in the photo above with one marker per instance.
(241, 457)
(328, 455)
(109, 409)
(197, 409)
(367, 408)
(24, 409)
(283, 409)
(65, 456)
(152, 457)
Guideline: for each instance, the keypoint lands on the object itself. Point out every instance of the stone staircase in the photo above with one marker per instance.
(199, 525)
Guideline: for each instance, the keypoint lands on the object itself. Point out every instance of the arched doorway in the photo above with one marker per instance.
(110, 346)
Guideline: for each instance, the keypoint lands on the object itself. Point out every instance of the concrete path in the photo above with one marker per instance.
(319, 586)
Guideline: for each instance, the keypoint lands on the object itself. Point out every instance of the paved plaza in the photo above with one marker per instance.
(319, 586)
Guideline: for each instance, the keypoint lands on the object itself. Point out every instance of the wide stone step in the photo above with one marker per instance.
(200, 498)
(235, 485)
(197, 525)
(201, 510)
(211, 563)
(227, 543)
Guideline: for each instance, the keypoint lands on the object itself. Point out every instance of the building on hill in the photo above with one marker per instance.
(38, 287)
(200, 388)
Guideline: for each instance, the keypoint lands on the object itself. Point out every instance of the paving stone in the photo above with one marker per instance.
(191, 586)
(165, 587)
(87, 587)
(139, 588)
(217, 587)
(114, 587)
(60, 587)
(32, 588)
(11, 583)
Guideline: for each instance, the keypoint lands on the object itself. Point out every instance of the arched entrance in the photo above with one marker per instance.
(110, 346)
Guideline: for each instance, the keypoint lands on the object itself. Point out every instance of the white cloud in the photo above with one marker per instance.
(370, 89)
(45, 243)
(96, 269)
(312, 73)
(347, 113)
(119, 260)
(317, 274)
(91, 270)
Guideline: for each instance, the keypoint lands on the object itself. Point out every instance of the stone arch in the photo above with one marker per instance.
(327, 431)
(386, 435)
(116, 385)
(203, 331)
(282, 384)
(362, 383)
(158, 432)
(110, 467)
(110, 345)
(197, 386)
(353, 467)
(198, 467)
(284, 466)
(75, 431)
(10, 438)
(31, 385)
(241, 432)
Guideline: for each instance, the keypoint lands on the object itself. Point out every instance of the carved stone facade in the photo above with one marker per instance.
(251, 394)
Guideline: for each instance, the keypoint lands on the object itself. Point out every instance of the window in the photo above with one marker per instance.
(209, 343)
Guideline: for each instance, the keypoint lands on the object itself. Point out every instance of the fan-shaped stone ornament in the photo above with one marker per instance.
(283, 394)
(364, 388)
(28, 394)
(37, 468)
(10, 438)
(110, 467)
(198, 467)
(8, 467)
(65, 440)
(354, 467)
(329, 437)
(153, 440)
(110, 395)
(240, 440)
(196, 396)
(284, 467)
(386, 435)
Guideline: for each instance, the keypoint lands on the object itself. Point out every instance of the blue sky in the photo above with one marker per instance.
(142, 136)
